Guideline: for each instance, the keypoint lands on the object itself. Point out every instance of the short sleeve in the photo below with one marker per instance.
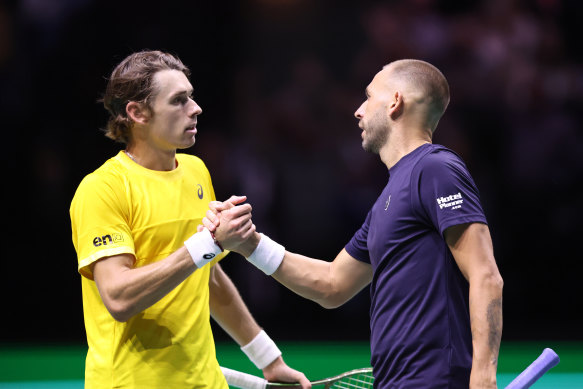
(357, 247)
(99, 222)
(443, 191)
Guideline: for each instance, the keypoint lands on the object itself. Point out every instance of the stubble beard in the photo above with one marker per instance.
(377, 138)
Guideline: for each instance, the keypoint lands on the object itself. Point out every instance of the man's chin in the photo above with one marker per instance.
(370, 147)
(187, 144)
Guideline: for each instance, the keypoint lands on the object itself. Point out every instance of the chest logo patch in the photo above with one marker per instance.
(453, 201)
(199, 191)
(387, 203)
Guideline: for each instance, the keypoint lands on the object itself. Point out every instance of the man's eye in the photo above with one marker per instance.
(180, 100)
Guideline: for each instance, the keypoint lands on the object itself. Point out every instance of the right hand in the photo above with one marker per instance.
(279, 371)
(230, 221)
(212, 219)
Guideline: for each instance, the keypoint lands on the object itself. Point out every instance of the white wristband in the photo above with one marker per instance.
(202, 248)
(261, 350)
(267, 256)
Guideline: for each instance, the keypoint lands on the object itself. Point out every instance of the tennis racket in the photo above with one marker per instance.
(547, 360)
(363, 378)
(354, 379)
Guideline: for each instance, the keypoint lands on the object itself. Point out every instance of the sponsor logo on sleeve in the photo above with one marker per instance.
(199, 191)
(108, 239)
(453, 201)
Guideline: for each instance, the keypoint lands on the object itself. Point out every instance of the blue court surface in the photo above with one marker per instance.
(61, 367)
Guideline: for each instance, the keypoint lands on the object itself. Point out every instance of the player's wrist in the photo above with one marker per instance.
(262, 350)
(246, 248)
(216, 241)
(267, 256)
(202, 247)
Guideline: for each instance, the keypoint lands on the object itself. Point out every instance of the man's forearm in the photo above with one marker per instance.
(231, 313)
(229, 310)
(329, 284)
(308, 277)
(486, 324)
(126, 290)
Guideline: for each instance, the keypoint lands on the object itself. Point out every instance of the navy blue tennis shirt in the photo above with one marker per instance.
(419, 316)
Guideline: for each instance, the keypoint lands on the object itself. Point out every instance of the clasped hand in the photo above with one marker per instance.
(230, 222)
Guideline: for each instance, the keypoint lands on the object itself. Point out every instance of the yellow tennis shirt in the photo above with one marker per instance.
(123, 207)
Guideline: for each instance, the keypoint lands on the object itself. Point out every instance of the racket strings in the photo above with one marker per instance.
(360, 381)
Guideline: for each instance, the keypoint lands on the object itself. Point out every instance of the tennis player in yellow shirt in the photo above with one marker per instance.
(150, 280)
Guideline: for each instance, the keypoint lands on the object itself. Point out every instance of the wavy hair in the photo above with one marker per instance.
(132, 80)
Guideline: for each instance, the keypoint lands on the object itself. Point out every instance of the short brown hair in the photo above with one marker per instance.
(429, 80)
(132, 80)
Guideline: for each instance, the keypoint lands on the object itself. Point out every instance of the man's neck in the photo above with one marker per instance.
(151, 158)
(399, 146)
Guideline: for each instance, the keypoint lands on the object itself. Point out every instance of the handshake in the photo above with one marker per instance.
(228, 226)
(231, 225)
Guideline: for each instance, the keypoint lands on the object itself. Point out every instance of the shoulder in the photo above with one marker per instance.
(189, 159)
(440, 155)
(440, 159)
(112, 175)
(191, 162)
(111, 171)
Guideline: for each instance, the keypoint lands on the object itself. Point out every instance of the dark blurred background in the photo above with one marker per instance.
(279, 81)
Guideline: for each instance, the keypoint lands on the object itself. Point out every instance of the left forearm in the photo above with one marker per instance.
(231, 313)
(471, 246)
(486, 320)
(229, 310)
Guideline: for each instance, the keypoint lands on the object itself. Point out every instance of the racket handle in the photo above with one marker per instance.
(243, 380)
(547, 360)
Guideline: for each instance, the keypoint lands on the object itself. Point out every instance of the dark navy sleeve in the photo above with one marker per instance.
(357, 246)
(444, 193)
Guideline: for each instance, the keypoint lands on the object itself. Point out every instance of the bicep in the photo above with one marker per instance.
(107, 271)
(471, 247)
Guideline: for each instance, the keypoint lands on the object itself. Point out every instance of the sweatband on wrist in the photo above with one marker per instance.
(267, 256)
(202, 248)
(261, 350)
(217, 242)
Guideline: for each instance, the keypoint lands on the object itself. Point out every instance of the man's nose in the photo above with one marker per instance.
(195, 110)
(360, 111)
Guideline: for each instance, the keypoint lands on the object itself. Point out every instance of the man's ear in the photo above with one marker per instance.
(138, 112)
(396, 106)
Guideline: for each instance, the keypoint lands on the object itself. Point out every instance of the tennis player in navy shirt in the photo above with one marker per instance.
(424, 248)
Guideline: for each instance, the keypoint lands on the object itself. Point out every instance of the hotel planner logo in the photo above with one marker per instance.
(453, 201)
